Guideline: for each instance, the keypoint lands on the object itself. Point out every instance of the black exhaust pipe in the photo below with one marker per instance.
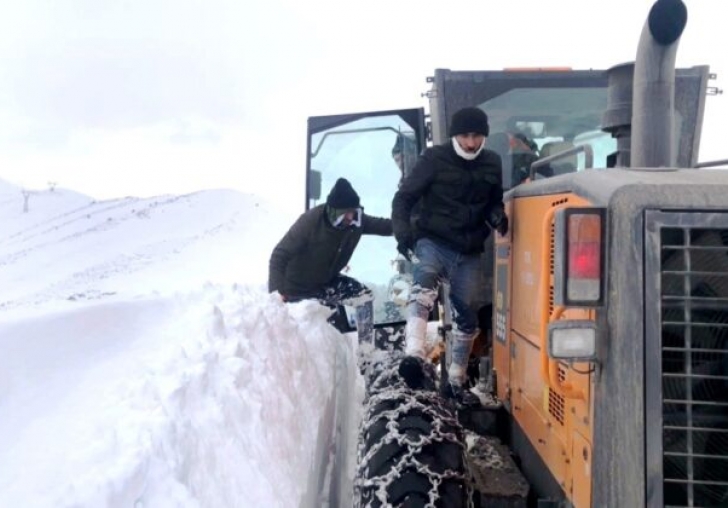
(653, 143)
(617, 119)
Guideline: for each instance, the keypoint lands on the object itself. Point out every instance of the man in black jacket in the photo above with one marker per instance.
(459, 189)
(307, 262)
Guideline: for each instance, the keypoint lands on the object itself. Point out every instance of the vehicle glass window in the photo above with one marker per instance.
(602, 143)
(371, 153)
(530, 123)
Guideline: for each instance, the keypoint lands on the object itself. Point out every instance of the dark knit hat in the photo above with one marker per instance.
(343, 195)
(469, 120)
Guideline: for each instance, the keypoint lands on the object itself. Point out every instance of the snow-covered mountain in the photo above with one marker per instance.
(143, 364)
(68, 246)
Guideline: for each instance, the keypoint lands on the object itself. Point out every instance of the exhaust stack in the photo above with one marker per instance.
(653, 143)
(617, 119)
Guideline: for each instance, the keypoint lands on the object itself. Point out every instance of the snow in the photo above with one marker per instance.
(144, 364)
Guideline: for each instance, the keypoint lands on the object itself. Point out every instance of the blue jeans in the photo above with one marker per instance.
(437, 262)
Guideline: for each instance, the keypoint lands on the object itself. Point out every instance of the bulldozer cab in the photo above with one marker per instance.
(537, 113)
(533, 114)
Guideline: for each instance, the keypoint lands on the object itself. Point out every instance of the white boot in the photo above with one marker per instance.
(456, 373)
(461, 346)
(415, 334)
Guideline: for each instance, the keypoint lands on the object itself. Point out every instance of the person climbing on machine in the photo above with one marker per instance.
(307, 262)
(459, 189)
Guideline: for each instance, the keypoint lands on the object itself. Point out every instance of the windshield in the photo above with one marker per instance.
(531, 123)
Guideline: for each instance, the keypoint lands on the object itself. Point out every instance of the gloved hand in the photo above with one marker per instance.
(498, 220)
(405, 245)
(502, 226)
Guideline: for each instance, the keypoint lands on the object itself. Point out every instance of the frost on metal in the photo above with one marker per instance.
(495, 475)
(483, 450)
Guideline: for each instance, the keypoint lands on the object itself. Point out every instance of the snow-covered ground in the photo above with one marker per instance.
(144, 364)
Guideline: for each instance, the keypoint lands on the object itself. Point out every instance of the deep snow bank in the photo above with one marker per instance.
(222, 397)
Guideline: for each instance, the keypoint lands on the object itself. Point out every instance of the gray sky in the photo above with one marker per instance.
(144, 97)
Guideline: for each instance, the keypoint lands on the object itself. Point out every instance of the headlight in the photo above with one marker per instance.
(574, 340)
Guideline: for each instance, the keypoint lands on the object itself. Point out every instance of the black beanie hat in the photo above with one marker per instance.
(343, 195)
(469, 120)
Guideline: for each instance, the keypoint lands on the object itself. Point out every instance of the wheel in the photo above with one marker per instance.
(411, 446)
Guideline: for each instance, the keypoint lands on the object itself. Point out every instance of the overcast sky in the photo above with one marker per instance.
(144, 97)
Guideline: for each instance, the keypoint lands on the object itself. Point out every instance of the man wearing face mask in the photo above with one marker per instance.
(459, 187)
(307, 262)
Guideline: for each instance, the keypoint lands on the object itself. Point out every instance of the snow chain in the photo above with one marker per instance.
(411, 445)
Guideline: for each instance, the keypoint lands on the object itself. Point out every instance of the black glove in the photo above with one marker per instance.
(502, 226)
(405, 245)
(498, 220)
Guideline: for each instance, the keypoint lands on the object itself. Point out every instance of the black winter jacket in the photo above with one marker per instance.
(313, 252)
(456, 198)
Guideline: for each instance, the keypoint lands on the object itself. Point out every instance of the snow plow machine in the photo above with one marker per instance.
(602, 365)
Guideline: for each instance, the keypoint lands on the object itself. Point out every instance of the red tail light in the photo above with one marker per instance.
(585, 246)
(584, 260)
(582, 236)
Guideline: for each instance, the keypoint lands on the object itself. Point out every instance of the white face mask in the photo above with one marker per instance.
(338, 222)
(466, 155)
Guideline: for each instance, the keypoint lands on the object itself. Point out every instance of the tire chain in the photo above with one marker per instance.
(401, 429)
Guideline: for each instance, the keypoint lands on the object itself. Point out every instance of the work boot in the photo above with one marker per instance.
(411, 368)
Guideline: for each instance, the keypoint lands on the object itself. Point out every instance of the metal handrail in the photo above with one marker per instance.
(711, 164)
(351, 131)
(588, 154)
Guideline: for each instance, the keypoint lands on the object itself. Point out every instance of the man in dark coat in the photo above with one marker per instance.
(307, 262)
(459, 189)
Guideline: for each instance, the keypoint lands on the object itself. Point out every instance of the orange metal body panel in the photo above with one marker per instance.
(501, 313)
(557, 422)
(580, 468)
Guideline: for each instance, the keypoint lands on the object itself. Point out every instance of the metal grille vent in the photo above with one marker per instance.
(552, 252)
(694, 356)
(556, 406)
(556, 401)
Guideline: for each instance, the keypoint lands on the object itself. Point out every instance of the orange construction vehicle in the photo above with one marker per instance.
(609, 348)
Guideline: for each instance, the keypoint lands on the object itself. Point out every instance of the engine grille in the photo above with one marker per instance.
(693, 369)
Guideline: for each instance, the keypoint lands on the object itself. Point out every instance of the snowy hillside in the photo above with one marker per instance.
(144, 365)
(70, 247)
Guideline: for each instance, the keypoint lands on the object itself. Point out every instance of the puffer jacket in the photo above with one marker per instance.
(313, 252)
(455, 199)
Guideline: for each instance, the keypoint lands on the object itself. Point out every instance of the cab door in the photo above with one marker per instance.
(372, 150)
